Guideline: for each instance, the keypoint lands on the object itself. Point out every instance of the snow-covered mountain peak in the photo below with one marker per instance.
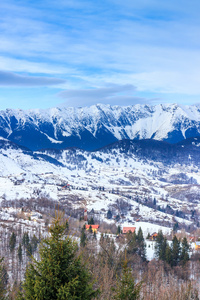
(98, 125)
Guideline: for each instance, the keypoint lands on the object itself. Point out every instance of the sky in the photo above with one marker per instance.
(80, 53)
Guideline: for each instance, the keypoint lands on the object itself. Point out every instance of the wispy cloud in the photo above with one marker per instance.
(11, 79)
(110, 94)
(150, 44)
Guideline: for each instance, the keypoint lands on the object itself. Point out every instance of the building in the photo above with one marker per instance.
(197, 245)
(128, 229)
(94, 227)
(153, 236)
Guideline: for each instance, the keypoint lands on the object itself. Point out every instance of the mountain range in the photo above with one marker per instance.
(90, 128)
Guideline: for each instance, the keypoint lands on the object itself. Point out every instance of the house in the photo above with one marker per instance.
(192, 239)
(94, 227)
(197, 245)
(128, 229)
(153, 236)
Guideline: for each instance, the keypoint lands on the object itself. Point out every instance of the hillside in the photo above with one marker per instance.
(148, 180)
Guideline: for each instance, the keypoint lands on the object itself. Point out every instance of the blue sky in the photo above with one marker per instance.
(79, 53)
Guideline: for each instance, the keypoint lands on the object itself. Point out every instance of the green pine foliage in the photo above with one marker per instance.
(91, 221)
(19, 252)
(29, 250)
(90, 229)
(175, 251)
(126, 288)
(136, 244)
(175, 255)
(141, 244)
(119, 229)
(60, 273)
(184, 255)
(159, 244)
(109, 214)
(83, 239)
(34, 243)
(25, 239)
(168, 255)
(12, 242)
(3, 280)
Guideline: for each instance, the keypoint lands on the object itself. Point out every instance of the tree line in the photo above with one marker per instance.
(118, 270)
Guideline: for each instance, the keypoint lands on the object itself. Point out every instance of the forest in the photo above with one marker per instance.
(58, 265)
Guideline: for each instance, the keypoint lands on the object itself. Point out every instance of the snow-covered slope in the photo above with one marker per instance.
(93, 127)
(134, 179)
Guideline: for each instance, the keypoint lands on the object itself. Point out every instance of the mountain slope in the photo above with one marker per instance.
(134, 179)
(93, 127)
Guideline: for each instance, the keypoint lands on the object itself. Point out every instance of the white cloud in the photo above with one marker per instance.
(11, 79)
(110, 94)
(150, 44)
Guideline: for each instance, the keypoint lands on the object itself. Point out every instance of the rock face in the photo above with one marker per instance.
(93, 127)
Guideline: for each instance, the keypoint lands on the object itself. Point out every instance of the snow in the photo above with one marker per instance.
(53, 140)
(128, 121)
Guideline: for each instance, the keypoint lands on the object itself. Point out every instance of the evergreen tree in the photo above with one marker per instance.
(12, 241)
(141, 244)
(29, 250)
(118, 229)
(184, 256)
(175, 251)
(126, 288)
(60, 273)
(159, 244)
(163, 248)
(132, 243)
(34, 243)
(19, 252)
(90, 229)
(67, 225)
(25, 239)
(3, 280)
(168, 255)
(83, 239)
(91, 221)
(175, 227)
(109, 214)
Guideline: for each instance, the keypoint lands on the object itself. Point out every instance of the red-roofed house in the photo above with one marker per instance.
(153, 236)
(127, 229)
(94, 227)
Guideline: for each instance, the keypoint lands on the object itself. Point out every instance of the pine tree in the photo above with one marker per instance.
(25, 239)
(91, 221)
(29, 250)
(126, 288)
(60, 273)
(175, 251)
(163, 248)
(90, 229)
(119, 229)
(12, 241)
(34, 243)
(109, 214)
(19, 252)
(184, 256)
(141, 244)
(3, 280)
(83, 239)
(159, 243)
(132, 243)
(168, 255)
